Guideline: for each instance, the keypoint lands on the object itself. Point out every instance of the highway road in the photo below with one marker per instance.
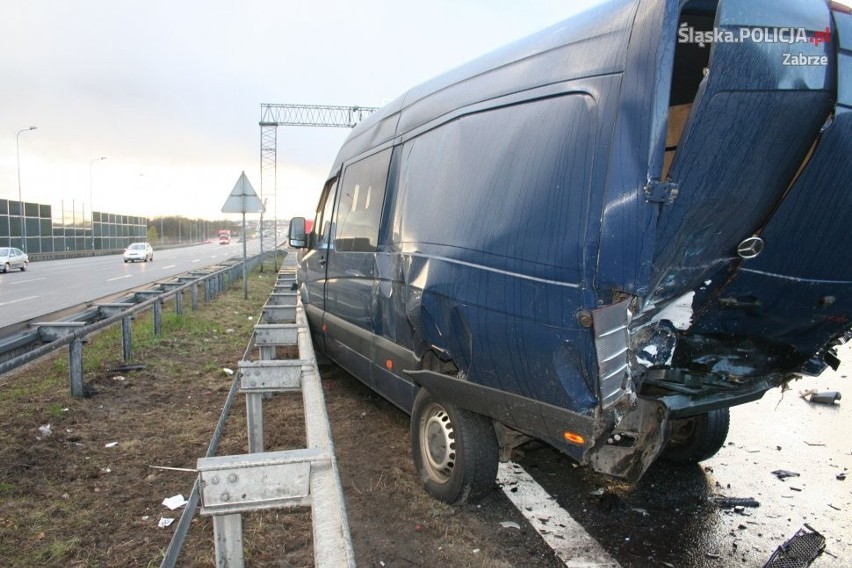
(46, 287)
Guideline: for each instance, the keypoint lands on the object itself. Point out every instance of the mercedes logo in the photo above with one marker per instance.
(751, 248)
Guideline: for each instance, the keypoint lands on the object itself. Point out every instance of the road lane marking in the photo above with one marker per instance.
(169, 266)
(25, 281)
(571, 543)
(119, 278)
(18, 300)
(198, 260)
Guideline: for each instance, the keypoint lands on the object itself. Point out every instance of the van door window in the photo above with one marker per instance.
(361, 198)
(323, 224)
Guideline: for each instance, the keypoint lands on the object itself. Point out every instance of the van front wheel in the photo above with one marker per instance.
(455, 450)
(698, 438)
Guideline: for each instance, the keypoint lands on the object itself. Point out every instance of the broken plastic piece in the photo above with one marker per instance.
(784, 474)
(732, 502)
(828, 397)
(798, 552)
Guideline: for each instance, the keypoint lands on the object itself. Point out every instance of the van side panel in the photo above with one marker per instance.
(499, 301)
(623, 243)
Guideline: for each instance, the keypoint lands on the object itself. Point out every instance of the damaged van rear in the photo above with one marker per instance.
(602, 236)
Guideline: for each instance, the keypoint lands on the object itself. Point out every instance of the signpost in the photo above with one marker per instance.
(243, 199)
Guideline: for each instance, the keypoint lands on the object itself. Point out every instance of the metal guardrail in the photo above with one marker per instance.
(52, 335)
(228, 486)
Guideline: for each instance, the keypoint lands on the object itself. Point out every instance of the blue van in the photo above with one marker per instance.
(602, 236)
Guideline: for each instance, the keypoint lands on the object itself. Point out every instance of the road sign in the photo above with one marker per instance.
(243, 198)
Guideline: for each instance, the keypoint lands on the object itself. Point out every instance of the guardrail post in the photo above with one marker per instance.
(254, 422)
(179, 303)
(75, 357)
(232, 485)
(126, 339)
(158, 317)
(258, 378)
(194, 288)
(228, 531)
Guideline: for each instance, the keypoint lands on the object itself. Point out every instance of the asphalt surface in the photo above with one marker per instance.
(669, 517)
(50, 286)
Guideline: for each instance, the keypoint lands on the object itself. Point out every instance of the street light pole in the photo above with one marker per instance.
(20, 198)
(91, 203)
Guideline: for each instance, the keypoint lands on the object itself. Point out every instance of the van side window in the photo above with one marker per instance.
(323, 223)
(359, 211)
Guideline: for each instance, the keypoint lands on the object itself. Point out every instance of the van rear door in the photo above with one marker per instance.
(758, 231)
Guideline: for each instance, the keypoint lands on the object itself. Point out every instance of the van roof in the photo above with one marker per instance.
(588, 44)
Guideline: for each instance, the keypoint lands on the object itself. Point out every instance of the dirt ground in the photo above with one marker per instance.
(82, 480)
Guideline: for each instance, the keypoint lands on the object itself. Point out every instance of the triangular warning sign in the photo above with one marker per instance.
(243, 198)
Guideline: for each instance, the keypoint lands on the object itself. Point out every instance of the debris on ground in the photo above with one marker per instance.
(510, 525)
(816, 397)
(165, 522)
(44, 431)
(734, 502)
(126, 368)
(798, 552)
(174, 502)
(784, 474)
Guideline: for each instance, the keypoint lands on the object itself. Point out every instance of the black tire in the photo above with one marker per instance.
(6, 267)
(697, 438)
(455, 451)
(24, 267)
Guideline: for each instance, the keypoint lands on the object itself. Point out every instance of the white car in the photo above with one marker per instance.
(139, 251)
(11, 257)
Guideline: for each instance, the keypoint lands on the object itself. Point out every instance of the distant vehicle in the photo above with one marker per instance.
(601, 237)
(139, 251)
(13, 258)
(224, 237)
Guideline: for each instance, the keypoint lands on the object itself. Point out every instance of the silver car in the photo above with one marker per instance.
(139, 251)
(11, 257)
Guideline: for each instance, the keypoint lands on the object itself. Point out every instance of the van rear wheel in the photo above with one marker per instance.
(455, 451)
(697, 438)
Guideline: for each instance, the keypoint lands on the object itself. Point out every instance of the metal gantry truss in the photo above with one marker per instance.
(274, 115)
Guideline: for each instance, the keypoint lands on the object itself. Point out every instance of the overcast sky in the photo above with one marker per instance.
(170, 90)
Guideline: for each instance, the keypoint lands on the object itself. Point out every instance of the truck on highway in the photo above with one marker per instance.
(602, 236)
(224, 237)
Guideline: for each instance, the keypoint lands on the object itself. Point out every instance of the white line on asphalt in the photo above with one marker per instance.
(169, 266)
(119, 278)
(198, 260)
(572, 544)
(18, 300)
(25, 281)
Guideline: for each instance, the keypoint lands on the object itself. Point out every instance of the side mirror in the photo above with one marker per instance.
(298, 238)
